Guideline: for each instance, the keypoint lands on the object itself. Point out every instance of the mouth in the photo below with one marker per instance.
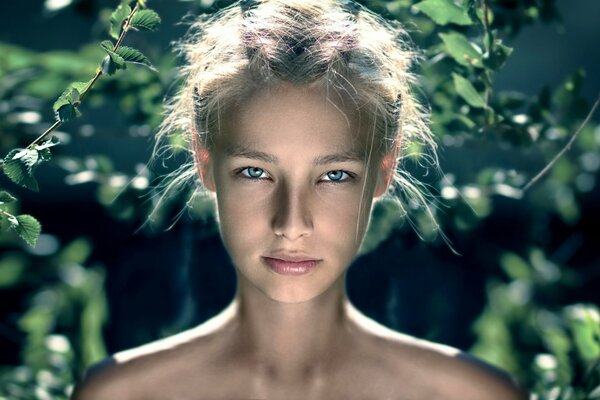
(290, 265)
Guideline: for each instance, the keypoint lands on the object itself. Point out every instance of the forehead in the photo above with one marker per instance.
(293, 118)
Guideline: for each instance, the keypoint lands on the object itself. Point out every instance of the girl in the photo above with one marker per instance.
(296, 114)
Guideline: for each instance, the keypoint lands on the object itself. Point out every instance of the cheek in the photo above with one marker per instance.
(342, 216)
(245, 214)
(241, 218)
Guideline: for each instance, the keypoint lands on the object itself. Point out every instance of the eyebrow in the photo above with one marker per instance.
(245, 152)
(339, 157)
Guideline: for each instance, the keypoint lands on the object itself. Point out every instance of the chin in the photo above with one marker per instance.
(296, 291)
(285, 297)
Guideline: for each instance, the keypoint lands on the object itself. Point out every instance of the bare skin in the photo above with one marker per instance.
(290, 184)
(357, 359)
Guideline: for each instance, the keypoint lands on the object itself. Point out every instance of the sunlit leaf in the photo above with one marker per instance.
(444, 12)
(92, 319)
(516, 267)
(36, 321)
(82, 87)
(67, 97)
(467, 91)
(584, 322)
(559, 344)
(146, 20)
(462, 50)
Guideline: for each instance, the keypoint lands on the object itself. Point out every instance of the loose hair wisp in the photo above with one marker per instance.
(353, 55)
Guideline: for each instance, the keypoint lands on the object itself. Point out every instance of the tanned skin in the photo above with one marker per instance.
(290, 184)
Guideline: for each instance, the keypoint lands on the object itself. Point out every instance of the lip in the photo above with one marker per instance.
(291, 265)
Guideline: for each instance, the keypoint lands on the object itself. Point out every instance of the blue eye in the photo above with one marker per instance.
(336, 176)
(253, 173)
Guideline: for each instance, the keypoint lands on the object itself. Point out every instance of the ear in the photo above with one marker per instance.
(203, 162)
(385, 171)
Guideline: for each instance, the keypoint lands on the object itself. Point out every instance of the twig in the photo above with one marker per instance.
(125, 27)
(564, 149)
(488, 44)
(124, 30)
(46, 133)
(486, 23)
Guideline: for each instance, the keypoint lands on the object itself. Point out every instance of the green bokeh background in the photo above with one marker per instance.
(517, 283)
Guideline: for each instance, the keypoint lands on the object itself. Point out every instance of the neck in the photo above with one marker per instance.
(291, 341)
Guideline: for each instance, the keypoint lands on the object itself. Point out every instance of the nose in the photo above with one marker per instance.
(292, 218)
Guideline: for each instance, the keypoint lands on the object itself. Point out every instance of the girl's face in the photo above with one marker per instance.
(292, 184)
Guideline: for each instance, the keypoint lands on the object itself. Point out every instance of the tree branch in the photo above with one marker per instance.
(564, 149)
(124, 30)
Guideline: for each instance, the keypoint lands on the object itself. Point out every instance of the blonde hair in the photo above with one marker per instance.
(339, 46)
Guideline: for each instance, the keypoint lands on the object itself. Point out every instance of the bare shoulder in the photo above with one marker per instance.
(453, 374)
(123, 375)
(430, 370)
(154, 370)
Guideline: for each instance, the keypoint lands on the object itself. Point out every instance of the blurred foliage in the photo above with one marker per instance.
(59, 326)
(540, 321)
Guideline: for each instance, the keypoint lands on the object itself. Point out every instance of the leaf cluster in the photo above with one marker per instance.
(19, 164)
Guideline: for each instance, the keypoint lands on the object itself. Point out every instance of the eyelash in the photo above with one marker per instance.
(349, 176)
(241, 173)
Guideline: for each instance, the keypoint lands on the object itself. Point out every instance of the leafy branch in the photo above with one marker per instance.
(19, 164)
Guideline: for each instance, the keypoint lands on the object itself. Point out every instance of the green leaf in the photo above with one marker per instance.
(112, 62)
(498, 54)
(117, 18)
(76, 252)
(466, 90)
(82, 87)
(134, 56)
(444, 12)
(516, 267)
(19, 165)
(145, 20)
(65, 107)
(108, 66)
(69, 96)
(67, 113)
(461, 50)
(6, 197)
(108, 47)
(12, 270)
(44, 148)
(584, 321)
(28, 228)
